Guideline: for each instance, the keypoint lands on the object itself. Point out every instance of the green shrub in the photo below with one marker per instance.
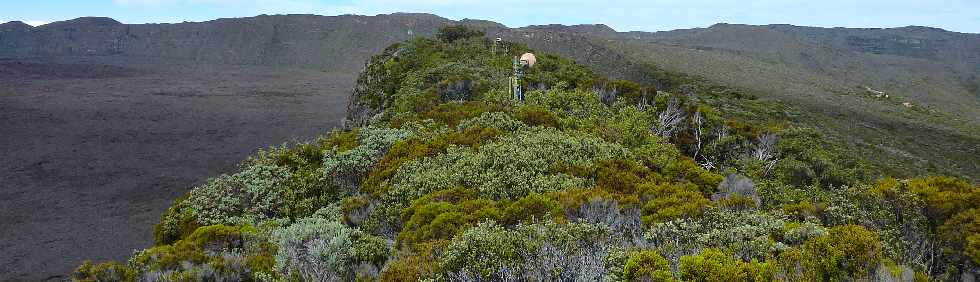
(623, 175)
(533, 206)
(670, 202)
(456, 32)
(666, 159)
(107, 271)
(508, 168)
(628, 126)
(254, 194)
(747, 235)
(962, 231)
(345, 169)
(559, 73)
(848, 252)
(647, 266)
(216, 252)
(370, 248)
(945, 196)
(424, 146)
(438, 220)
(943, 208)
(973, 247)
(536, 116)
(315, 249)
(810, 159)
(474, 186)
(452, 113)
(542, 251)
(417, 265)
(175, 223)
(715, 265)
(484, 249)
(441, 215)
(574, 109)
(491, 120)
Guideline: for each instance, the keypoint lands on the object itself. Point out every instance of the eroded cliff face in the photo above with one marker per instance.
(364, 101)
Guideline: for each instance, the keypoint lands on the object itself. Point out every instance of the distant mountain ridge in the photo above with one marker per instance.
(293, 39)
(282, 40)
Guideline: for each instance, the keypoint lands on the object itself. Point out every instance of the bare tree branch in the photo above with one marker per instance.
(668, 121)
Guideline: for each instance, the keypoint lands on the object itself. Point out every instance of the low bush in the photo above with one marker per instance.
(456, 32)
(715, 265)
(847, 252)
(107, 271)
(315, 249)
(647, 266)
(543, 251)
(508, 168)
(216, 252)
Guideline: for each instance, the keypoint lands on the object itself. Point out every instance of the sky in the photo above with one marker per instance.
(642, 15)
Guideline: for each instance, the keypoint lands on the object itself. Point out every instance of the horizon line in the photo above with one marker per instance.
(35, 24)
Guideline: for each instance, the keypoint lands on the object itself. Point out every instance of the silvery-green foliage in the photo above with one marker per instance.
(896, 273)
(737, 185)
(626, 224)
(573, 108)
(495, 120)
(803, 232)
(266, 277)
(747, 234)
(530, 252)
(255, 193)
(573, 252)
(330, 212)
(346, 168)
(316, 249)
(409, 93)
(842, 209)
(508, 168)
(233, 268)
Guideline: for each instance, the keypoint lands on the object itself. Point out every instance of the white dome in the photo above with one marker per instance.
(529, 58)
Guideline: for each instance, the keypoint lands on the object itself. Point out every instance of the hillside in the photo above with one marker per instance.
(443, 175)
(228, 86)
(97, 145)
(830, 78)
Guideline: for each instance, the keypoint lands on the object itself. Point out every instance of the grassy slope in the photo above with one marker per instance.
(826, 85)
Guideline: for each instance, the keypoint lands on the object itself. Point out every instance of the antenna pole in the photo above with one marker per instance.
(515, 80)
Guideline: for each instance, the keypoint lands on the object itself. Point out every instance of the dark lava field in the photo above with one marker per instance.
(95, 148)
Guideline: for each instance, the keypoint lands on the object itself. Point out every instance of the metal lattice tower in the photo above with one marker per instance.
(517, 78)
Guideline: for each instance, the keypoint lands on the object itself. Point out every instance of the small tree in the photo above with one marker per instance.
(456, 32)
(669, 120)
(765, 151)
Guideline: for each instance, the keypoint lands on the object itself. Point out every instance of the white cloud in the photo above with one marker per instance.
(36, 23)
(145, 2)
(29, 22)
(256, 6)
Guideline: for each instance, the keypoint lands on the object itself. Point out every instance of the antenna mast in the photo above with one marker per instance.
(520, 66)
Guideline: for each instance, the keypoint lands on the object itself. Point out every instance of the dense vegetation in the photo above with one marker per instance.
(855, 98)
(588, 179)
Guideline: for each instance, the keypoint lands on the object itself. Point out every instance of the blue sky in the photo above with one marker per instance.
(649, 15)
